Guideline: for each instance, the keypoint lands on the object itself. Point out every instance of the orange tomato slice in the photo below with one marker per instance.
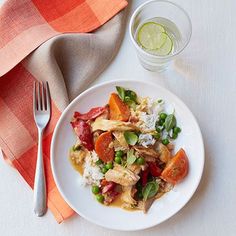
(103, 147)
(177, 168)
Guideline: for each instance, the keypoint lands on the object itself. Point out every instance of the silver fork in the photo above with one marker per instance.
(42, 112)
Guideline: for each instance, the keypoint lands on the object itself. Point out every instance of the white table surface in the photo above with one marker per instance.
(204, 77)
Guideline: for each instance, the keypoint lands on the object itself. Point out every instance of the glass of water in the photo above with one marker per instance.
(159, 30)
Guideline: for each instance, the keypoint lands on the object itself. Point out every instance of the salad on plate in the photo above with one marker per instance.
(124, 150)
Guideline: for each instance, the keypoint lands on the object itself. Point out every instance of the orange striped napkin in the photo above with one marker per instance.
(24, 25)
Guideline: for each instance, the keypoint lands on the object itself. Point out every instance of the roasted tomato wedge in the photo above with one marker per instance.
(177, 168)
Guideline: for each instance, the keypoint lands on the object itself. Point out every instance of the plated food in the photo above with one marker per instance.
(124, 150)
(83, 201)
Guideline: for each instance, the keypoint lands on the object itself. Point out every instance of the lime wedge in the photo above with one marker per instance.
(150, 36)
(166, 48)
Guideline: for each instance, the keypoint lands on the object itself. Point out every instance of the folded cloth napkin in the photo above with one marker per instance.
(69, 61)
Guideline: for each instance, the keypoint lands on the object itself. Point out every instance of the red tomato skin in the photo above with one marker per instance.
(177, 168)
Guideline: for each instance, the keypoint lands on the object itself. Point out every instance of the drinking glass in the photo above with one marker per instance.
(168, 12)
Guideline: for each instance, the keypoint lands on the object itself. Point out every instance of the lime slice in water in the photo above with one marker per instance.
(166, 48)
(151, 36)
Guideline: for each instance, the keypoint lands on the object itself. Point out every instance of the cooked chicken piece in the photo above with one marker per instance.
(145, 205)
(119, 135)
(164, 153)
(78, 156)
(133, 119)
(112, 125)
(127, 197)
(170, 146)
(149, 159)
(148, 153)
(122, 176)
(117, 146)
(167, 187)
(160, 194)
(143, 104)
(135, 168)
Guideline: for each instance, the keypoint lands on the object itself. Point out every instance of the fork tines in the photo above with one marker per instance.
(41, 96)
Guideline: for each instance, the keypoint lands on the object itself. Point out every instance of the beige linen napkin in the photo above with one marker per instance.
(70, 62)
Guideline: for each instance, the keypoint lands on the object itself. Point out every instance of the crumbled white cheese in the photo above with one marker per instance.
(92, 173)
(146, 139)
(150, 117)
(149, 121)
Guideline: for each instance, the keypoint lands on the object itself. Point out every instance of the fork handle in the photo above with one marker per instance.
(40, 200)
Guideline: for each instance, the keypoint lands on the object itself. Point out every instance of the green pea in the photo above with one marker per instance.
(165, 141)
(119, 153)
(95, 189)
(100, 198)
(109, 166)
(118, 159)
(163, 116)
(140, 161)
(176, 130)
(98, 162)
(104, 169)
(175, 136)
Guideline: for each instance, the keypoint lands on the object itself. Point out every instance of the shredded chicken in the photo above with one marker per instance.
(135, 168)
(112, 125)
(127, 197)
(170, 146)
(122, 176)
(117, 146)
(119, 135)
(164, 153)
(148, 153)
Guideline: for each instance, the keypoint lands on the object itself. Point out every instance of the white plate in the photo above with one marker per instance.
(82, 200)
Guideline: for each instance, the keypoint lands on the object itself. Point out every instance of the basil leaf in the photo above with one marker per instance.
(150, 190)
(131, 158)
(170, 122)
(121, 92)
(130, 137)
(131, 94)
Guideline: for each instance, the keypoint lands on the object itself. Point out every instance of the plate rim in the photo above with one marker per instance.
(56, 128)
